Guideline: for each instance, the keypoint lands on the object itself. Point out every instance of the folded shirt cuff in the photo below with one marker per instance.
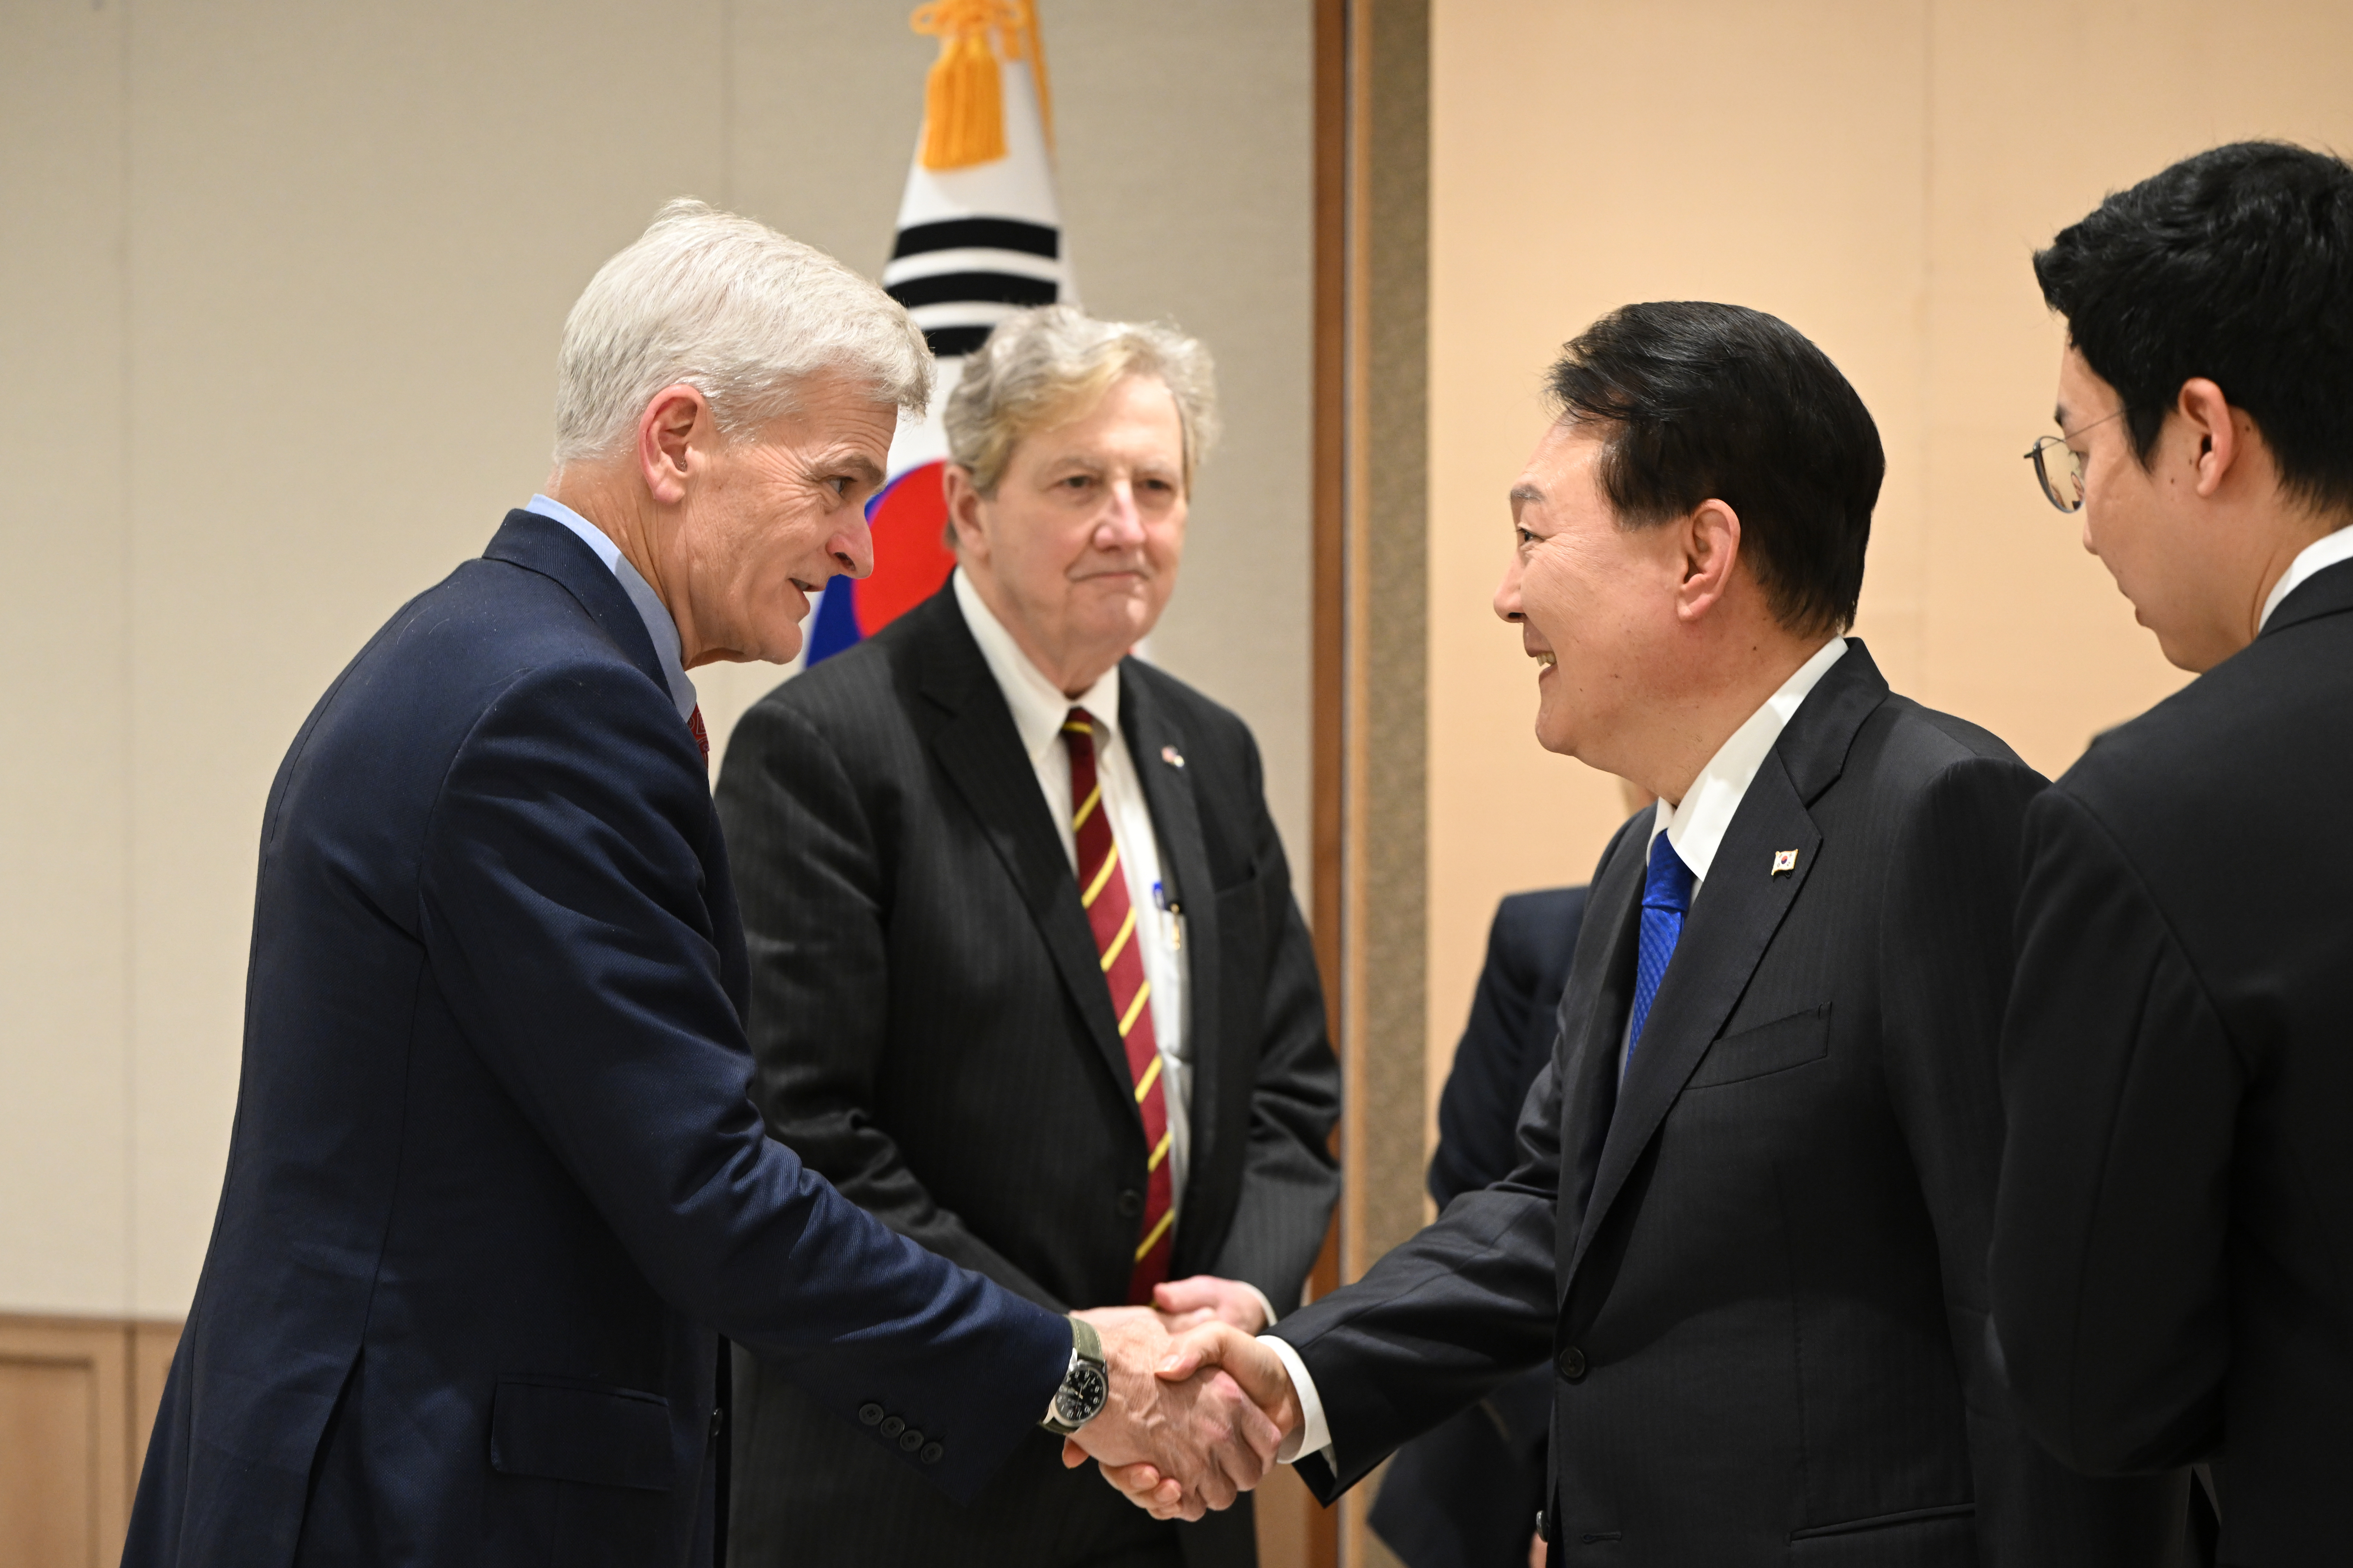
(1313, 1436)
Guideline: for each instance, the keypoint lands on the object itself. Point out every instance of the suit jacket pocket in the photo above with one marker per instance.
(569, 1429)
(1784, 1043)
(1919, 1538)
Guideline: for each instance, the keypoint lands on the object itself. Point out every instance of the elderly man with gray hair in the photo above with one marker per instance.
(1028, 978)
(494, 1181)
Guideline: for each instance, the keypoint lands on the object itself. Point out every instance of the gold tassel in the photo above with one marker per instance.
(964, 98)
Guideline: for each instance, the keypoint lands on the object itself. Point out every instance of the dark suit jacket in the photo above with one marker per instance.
(494, 1177)
(1465, 1493)
(935, 1034)
(2170, 1274)
(1759, 1266)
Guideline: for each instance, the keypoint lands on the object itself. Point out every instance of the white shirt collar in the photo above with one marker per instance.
(2320, 555)
(668, 651)
(1697, 826)
(1038, 706)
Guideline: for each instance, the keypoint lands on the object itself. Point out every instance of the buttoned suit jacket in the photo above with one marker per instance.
(494, 1178)
(934, 1034)
(2177, 1200)
(1759, 1264)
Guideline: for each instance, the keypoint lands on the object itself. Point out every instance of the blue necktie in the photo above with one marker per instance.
(1666, 900)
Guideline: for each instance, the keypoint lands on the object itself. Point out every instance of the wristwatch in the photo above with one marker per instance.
(1085, 1386)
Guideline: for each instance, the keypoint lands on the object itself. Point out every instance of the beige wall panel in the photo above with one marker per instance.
(65, 1043)
(1184, 174)
(1587, 155)
(2025, 633)
(355, 232)
(65, 1476)
(1879, 175)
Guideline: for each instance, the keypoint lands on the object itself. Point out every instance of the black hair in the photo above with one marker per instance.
(2235, 264)
(1724, 403)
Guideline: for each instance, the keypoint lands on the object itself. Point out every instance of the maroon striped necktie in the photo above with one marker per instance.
(1103, 888)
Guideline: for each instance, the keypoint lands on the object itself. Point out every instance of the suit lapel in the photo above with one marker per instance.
(1732, 921)
(979, 750)
(1153, 739)
(1593, 1012)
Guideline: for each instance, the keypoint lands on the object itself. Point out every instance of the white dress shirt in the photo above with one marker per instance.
(1038, 709)
(1695, 825)
(2323, 553)
(649, 607)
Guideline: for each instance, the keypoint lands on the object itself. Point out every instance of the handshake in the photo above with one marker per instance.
(1198, 1410)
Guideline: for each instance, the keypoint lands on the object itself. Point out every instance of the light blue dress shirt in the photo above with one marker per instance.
(650, 609)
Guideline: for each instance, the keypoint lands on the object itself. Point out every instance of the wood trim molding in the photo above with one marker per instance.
(1371, 741)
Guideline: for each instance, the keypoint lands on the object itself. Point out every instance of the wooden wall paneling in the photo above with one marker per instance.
(65, 1447)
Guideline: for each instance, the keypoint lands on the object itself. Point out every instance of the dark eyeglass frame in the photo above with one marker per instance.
(2039, 455)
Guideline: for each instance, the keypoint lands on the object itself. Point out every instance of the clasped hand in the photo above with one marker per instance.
(1194, 1419)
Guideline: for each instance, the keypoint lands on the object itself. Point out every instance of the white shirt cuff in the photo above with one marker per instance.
(1264, 1306)
(1313, 1436)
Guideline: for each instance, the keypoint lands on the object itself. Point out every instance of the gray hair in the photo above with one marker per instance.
(733, 309)
(1044, 366)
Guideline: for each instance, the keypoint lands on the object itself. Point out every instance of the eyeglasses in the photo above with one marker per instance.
(2059, 468)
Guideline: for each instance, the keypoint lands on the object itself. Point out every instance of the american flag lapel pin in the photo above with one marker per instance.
(1171, 756)
(1784, 860)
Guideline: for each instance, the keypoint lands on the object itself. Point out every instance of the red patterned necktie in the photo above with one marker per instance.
(1103, 888)
(702, 735)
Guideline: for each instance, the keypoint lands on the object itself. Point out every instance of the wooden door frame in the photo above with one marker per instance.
(1370, 516)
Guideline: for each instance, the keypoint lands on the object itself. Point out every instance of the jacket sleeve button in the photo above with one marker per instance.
(870, 1413)
(909, 1440)
(892, 1428)
(931, 1454)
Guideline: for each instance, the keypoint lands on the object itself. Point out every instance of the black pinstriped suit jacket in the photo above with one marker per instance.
(934, 1035)
(1759, 1264)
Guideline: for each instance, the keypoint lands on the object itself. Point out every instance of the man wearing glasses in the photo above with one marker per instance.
(2170, 1281)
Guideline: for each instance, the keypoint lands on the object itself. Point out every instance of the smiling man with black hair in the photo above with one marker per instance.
(1748, 1224)
(2177, 1195)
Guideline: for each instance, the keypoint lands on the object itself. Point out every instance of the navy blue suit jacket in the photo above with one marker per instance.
(494, 1181)
(1759, 1263)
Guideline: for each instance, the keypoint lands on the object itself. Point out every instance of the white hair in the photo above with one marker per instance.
(1042, 366)
(729, 306)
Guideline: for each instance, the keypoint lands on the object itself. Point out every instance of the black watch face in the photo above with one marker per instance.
(1084, 1389)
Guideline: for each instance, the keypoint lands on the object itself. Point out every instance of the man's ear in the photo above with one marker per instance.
(1711, 551)
(965, 533)
(666, 432)
(2213, 426)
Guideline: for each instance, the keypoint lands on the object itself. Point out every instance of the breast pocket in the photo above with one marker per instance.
(1777, 1047)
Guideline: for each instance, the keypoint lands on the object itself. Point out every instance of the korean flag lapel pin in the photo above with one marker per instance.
(1784, 860)
(1171, 756)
